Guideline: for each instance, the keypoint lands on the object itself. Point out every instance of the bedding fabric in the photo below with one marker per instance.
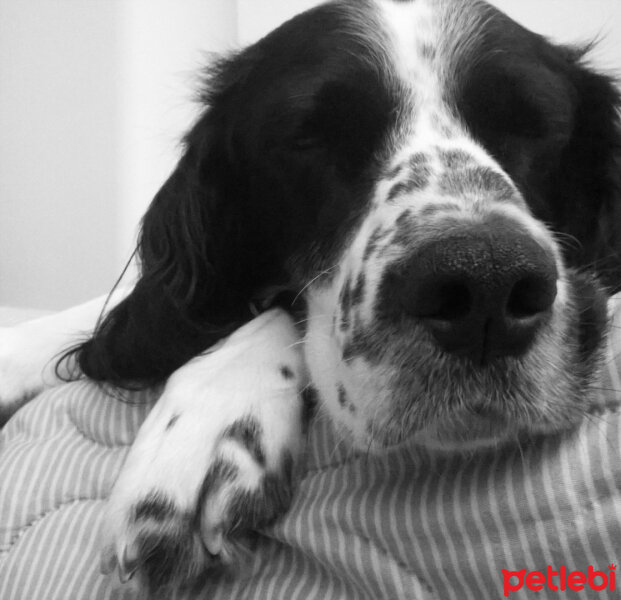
(399, 525)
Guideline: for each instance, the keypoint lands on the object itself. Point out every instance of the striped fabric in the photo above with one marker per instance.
(398, 525)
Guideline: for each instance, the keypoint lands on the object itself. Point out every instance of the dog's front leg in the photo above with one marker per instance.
(214, 459)
(28, 352)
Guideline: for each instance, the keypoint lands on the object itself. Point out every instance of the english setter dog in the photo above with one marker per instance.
(422, 199)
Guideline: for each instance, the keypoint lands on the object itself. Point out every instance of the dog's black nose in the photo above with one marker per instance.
(482, 290)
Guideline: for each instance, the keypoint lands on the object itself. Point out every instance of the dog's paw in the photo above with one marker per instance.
(214, 461)
(171, 542)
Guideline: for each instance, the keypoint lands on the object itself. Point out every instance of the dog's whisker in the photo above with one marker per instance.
(521, 452)
(311, 318)
(300, 342)
(314, 279)
(606, 389)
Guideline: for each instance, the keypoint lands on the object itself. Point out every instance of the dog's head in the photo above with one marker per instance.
(442, 187)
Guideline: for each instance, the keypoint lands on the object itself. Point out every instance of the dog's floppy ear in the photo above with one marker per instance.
(587, 185)
(202, 252)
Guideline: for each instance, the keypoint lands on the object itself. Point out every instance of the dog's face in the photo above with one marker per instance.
(439, 304)
(449, 313)
(439, 184)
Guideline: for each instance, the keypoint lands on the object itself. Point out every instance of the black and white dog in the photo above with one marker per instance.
(439, 188)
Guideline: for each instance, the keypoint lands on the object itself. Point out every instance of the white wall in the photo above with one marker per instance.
(93, 98)
(94, 95)
(258, 17)
(59, 137)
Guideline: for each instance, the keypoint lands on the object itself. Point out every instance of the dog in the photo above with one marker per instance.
(411, 207)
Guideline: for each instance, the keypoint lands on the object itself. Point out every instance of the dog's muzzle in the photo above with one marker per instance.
(483, 290)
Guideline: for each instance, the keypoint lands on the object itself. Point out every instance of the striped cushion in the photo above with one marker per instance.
(398, 525)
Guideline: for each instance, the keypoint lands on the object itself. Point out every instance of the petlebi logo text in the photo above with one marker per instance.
(559, 580)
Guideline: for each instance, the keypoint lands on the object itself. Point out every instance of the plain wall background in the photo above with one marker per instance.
(94, 96)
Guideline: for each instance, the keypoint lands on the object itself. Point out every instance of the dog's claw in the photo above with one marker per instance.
(125, 576)
(213, 540)
(127, 566)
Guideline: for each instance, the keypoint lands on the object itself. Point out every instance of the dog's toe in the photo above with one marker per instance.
(240, 497)
(161, 544)
(166, 546)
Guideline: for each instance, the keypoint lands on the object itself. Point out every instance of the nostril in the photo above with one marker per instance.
(531, 296)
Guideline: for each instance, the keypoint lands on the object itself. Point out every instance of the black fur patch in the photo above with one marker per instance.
(351, 349)
(404, 226)
(456, 159)
(287, 372)
(476, 181)
(253, 509)
(432, 209)
(375, 239)
(362, 343)
(427, 51)
(172, 422)
(404, 219)
(399, 189)
(309, 406)
(342, 396)
(248, 433)
(171, 555)
(392, 173)
(417, 177)
(357, 292)
(220, 472)
(418, 161)
(155, 506)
